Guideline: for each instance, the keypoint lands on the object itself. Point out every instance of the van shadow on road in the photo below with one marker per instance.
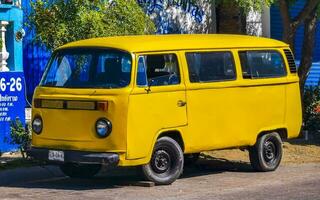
(210, 165)
(123, 177)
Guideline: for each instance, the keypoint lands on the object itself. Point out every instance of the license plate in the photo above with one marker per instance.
(56, 155)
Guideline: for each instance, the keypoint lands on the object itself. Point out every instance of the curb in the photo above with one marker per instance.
(28, 174)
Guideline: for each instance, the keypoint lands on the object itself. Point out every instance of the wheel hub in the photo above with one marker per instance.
(162, 161)
(269, 151)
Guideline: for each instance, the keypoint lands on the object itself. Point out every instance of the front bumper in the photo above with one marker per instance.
(69, 156)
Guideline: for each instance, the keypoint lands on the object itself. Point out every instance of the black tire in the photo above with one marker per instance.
(266, 155)
(166, 164)
(190, 159)
(80, 170)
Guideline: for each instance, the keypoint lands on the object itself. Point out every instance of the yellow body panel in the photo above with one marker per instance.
(75, 129)
(217, 115)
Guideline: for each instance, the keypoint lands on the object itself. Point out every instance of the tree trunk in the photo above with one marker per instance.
(289, 30)
(308, 48)
(289, 36)
(290, 25)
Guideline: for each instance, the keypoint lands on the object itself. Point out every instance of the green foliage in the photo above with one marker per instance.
(248, 5)
(311, 103)
(20, 135)
(256, 5)
(58, 22)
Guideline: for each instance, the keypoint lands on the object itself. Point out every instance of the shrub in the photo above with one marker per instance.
(311, 102)
(20, 135)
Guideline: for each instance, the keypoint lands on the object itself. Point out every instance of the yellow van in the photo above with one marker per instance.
(158, 101)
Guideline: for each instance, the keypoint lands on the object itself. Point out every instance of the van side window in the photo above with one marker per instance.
(211, 66)
(158, 70)
(142, 73)
(261, 64)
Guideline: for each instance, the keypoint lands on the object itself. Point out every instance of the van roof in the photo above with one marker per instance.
(146, 43)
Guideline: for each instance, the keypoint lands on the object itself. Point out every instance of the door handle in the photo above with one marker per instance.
(181, 103)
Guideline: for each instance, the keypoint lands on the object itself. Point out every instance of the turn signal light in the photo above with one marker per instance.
(102, 106)
(37, 103)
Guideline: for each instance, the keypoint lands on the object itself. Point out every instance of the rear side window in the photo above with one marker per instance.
(211, 66)
(261, 64)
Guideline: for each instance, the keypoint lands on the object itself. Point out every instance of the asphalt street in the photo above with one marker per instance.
(214, 179)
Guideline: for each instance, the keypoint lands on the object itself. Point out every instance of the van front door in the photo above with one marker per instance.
(157, 103)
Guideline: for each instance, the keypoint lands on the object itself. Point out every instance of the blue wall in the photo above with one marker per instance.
(35, 56)
(276, 32)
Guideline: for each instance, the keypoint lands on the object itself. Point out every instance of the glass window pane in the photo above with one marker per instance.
(88, 68)
(211, 66)
(262, 64)
(142, 75)
(160, 70)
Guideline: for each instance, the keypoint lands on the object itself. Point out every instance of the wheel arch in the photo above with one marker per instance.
(174, 134)
(283, 132)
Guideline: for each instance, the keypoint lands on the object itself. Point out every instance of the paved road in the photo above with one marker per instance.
(216, 179)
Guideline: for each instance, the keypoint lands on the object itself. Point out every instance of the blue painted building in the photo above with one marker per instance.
(276, 32)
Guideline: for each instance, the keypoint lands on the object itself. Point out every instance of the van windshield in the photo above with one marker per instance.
(88, 68)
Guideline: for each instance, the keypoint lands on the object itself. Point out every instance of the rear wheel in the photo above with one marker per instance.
(80, 170)
(266, 155)
(166, 164)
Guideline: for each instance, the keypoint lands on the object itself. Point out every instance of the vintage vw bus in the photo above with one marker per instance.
(158, 101)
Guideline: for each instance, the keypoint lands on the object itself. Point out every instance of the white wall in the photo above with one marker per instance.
(258, 24)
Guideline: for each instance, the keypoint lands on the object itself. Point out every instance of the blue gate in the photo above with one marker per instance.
(35, 56)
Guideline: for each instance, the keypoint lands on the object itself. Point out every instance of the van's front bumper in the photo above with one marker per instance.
(70, 156)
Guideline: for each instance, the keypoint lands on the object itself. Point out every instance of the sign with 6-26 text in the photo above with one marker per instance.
(12, 105)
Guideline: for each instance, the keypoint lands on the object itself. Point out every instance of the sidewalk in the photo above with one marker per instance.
(28, 174)
(15, 169)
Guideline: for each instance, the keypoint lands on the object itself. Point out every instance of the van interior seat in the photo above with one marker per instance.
(155, 65)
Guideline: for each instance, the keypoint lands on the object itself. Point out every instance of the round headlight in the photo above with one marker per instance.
(103, 128)
(37, 125)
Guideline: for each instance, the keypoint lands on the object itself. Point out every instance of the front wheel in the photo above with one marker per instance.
(166, 164)
(266, 155)
(80, 170)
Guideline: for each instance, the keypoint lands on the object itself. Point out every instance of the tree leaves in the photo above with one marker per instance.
(58, 22)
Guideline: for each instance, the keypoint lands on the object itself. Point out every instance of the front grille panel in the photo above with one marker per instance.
(65, 104)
